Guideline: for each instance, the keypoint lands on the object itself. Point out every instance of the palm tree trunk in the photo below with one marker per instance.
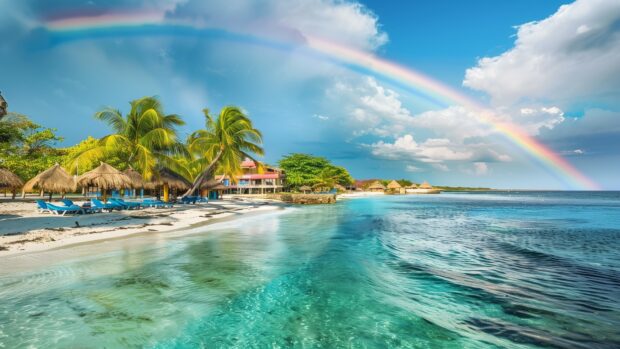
(204, 175)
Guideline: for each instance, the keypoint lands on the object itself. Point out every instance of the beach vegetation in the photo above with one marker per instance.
(27, 148)
(144, 139)
(224, 142)
(314, 171)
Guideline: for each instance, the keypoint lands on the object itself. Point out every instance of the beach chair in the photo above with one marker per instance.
(128, 204)
(67, 202)
(100, 206)
(189, 200)
(42, 207)
(202, 200)
(117, 205)
(62, 210)
(156, 203)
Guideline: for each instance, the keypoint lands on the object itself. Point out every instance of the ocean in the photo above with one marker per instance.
(461, 270)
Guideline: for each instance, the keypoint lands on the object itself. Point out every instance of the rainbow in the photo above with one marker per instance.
(119, 23)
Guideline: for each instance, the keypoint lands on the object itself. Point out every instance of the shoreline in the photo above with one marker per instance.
(34, 233)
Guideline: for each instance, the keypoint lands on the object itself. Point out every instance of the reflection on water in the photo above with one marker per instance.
(523, 270)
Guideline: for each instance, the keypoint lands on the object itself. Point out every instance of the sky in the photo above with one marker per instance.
(550, 69)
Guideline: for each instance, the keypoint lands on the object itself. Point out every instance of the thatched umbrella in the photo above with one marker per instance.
(425, 185)
(412, 186)
(136, 178)
(305, 188)
(9, 180)
(54, 179)
(339, 187)
(168, 180)
(376, 186)
(104, 177)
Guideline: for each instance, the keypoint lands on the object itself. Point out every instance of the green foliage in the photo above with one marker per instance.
(404, 182)
(26, 148)
(305, 169)
(144, 139)
(81, 157)
(222, 145)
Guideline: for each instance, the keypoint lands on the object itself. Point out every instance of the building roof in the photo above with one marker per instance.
(376, 185)
(255, 176)
(394, 185)
(247, 163)
(425, 185)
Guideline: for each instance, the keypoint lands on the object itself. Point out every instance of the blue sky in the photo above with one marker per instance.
(556, 78)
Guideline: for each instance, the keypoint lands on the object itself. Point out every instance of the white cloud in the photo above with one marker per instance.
(570, 57)
(371, 108)
(431, 151)
(344, 22)
(412, 168)
(321, 117)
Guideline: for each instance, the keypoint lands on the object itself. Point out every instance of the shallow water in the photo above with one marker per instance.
(485, 270)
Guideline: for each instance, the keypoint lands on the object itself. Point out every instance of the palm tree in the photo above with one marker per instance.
(142, 139)
(223, 144)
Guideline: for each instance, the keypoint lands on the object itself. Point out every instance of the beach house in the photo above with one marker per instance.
(254, 181)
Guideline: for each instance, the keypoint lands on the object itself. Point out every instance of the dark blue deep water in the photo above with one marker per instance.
(468, 270)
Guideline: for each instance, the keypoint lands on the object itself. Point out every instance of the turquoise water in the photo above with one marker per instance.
(500, 270)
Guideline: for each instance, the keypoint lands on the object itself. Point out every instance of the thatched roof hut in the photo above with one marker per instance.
(9, 180)
(412, 186)
(136, 178)
(425, 185)
(104, 177)
(339, 187)
(54, 180)
(376, 186)
(305, 188)
(394, 185)
(172, 179)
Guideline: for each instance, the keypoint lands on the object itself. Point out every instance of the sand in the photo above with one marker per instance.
(24, 230)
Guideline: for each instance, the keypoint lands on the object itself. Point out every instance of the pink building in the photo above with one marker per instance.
(271, 180)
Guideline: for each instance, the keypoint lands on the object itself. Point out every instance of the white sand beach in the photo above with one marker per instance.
(24, 230)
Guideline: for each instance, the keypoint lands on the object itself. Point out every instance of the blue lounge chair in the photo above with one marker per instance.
(128, 204)
(42, 207)
(67, 202)
(156, 203)
(117, 205)
(100, 206)
(189, 200)
(62, 210)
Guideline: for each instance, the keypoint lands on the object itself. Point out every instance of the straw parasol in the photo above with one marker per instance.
(425, 185)
(305, 188)
(168, 180)
(54, 179)
(339, 187)
(167, 177)
(136, 178)
(9, 180)
(104, 177)
(213, 184)
(376, 186)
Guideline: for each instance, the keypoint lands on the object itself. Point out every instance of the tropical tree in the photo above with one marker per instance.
(223, 144)
(305, 169)
(27, 148)
(143, 139)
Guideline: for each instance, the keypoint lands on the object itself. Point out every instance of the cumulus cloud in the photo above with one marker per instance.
(571, 57)
(370, 107)
(432, 150)
(344, 22)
